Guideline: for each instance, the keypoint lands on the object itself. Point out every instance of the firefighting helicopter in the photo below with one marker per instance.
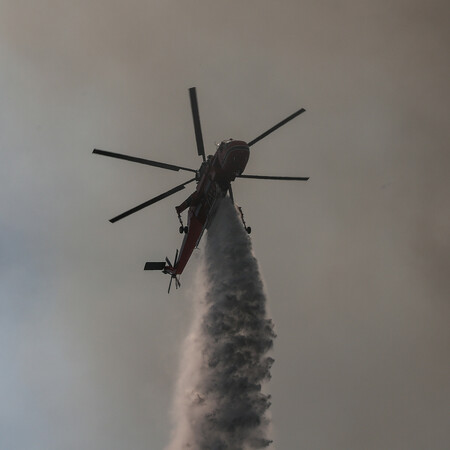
(213, 180)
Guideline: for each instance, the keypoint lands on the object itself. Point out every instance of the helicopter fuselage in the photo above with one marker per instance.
(214, 179)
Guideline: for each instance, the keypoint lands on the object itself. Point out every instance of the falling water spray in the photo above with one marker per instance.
(220, 403)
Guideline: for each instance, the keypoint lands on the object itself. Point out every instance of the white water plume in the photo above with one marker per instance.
(220, 403)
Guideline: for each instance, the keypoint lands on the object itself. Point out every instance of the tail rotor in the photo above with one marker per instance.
(173, 276)
(166, 267)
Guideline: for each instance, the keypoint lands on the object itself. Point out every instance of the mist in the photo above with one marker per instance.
(220, 402)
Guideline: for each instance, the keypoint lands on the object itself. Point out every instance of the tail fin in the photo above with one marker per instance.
(155, 265)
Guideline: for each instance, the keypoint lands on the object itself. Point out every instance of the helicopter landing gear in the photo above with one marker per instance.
(183, 228)
(247, 229)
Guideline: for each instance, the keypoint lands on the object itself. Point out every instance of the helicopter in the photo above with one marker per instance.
(213, 179)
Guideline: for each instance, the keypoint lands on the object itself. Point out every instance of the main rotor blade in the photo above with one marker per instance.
(142, 160)
(267, 177)
(150, 202)
(197, 127)
(278, 125)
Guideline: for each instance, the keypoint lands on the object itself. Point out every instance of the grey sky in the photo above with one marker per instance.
(356, 261)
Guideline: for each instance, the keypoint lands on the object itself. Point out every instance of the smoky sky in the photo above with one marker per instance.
(355, 261)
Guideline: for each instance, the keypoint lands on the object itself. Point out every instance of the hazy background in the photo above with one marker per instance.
(356, 260)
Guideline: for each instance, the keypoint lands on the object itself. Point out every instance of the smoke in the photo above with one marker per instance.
(220, 403)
